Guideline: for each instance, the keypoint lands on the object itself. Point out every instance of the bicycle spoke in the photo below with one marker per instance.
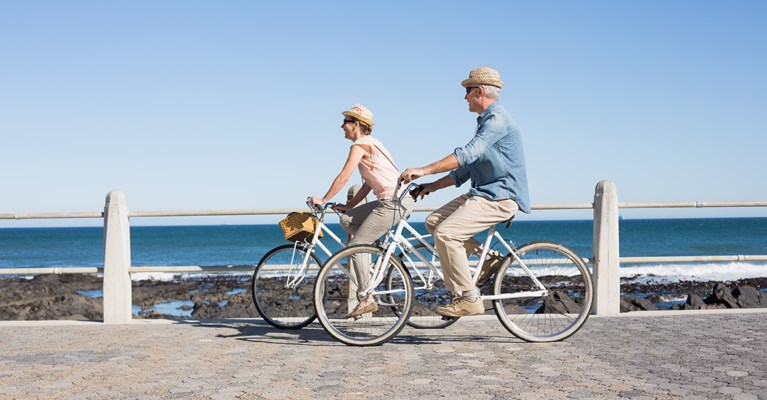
(282, 287)
(554, 293)
(335, 297)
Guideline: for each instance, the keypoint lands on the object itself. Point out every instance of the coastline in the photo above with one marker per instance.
(200, 297)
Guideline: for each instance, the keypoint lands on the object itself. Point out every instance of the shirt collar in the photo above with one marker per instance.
(488, 110)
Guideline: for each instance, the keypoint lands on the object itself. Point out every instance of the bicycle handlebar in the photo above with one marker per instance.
(417, 192)
(413, 189)
(318, 207)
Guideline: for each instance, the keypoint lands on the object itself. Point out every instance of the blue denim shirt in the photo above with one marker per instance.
(493, 159)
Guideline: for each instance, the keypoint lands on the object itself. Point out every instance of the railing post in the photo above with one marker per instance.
(117, 260)
(606, 250)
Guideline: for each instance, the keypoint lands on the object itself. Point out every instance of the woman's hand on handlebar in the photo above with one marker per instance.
(316, 201)
(342, 208)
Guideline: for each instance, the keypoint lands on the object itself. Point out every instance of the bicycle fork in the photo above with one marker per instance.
(296, 273)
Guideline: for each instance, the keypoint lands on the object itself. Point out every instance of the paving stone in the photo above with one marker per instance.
(635, 356)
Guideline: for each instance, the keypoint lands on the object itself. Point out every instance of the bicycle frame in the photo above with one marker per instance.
(397, 241)
(296, 276)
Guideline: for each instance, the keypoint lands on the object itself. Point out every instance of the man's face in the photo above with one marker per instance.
(473, 95)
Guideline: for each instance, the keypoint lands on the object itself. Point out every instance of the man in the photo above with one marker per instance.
(494, 162)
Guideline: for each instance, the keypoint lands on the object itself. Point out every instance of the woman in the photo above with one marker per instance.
(367, 222)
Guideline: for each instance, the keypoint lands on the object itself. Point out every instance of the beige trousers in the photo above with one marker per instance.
(366, 223)
(453, 227)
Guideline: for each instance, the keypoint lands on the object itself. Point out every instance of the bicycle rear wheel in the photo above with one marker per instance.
(282, 289)
(335, 297)
(553, 310)
(429, 291)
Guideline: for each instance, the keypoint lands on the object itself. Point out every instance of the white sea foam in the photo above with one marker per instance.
(153, 276)
(720, 272)
(169, 276)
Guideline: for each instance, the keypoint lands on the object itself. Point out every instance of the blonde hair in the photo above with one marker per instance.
(364, 128)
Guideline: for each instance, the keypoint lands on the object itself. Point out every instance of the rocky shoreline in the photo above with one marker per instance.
(69, 297)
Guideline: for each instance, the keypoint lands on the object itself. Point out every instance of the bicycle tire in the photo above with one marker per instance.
(564, 306)
(279, 303)
(428, 294)
(334, 289)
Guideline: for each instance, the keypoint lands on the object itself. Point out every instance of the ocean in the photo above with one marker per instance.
(222, 245)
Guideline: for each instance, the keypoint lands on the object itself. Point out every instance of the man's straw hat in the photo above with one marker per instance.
(483, 76)
(361, 113)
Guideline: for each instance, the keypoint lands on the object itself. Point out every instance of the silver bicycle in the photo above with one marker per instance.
(542, 291)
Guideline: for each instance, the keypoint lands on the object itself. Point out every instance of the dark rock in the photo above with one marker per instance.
(748, 296)
(51, 297)
(559, 302)
(203, 310)
(631, 303)
(694, 302)
(721, 295)
(627, 305)
(643, 304)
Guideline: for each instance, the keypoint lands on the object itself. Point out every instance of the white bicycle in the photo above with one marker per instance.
(542, 291)
(283, 280)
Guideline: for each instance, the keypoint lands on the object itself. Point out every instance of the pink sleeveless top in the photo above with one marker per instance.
(378, 169)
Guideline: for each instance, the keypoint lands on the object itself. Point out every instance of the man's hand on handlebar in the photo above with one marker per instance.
(420, 191)
(411, 174)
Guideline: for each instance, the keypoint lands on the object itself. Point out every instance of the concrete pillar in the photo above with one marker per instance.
(606, 250)
(117, 260)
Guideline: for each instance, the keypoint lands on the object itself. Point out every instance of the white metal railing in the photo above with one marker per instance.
(117, 268)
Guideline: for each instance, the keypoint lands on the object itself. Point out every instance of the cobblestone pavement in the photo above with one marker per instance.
(638, 356)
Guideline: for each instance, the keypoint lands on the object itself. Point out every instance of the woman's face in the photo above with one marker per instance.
(350, 128)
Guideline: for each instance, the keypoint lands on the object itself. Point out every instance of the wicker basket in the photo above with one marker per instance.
(298, 227)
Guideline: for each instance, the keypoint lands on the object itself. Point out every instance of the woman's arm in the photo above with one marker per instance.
(355, 155)
(361, 194)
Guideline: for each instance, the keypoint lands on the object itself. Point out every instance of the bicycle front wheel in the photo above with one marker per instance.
(550, 292)
(335, 297)
(282, 286)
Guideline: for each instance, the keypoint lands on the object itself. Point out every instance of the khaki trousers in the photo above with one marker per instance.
(366, 223)
(453, 227)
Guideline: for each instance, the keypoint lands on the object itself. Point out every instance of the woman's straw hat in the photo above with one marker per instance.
(483, 76)
(360, 113)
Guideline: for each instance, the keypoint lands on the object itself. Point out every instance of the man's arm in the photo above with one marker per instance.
(449, 163)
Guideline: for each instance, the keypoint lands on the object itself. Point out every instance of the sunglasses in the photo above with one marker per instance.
(347, 121)
(469, 89)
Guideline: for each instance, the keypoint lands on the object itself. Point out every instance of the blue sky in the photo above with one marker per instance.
(192, 105)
